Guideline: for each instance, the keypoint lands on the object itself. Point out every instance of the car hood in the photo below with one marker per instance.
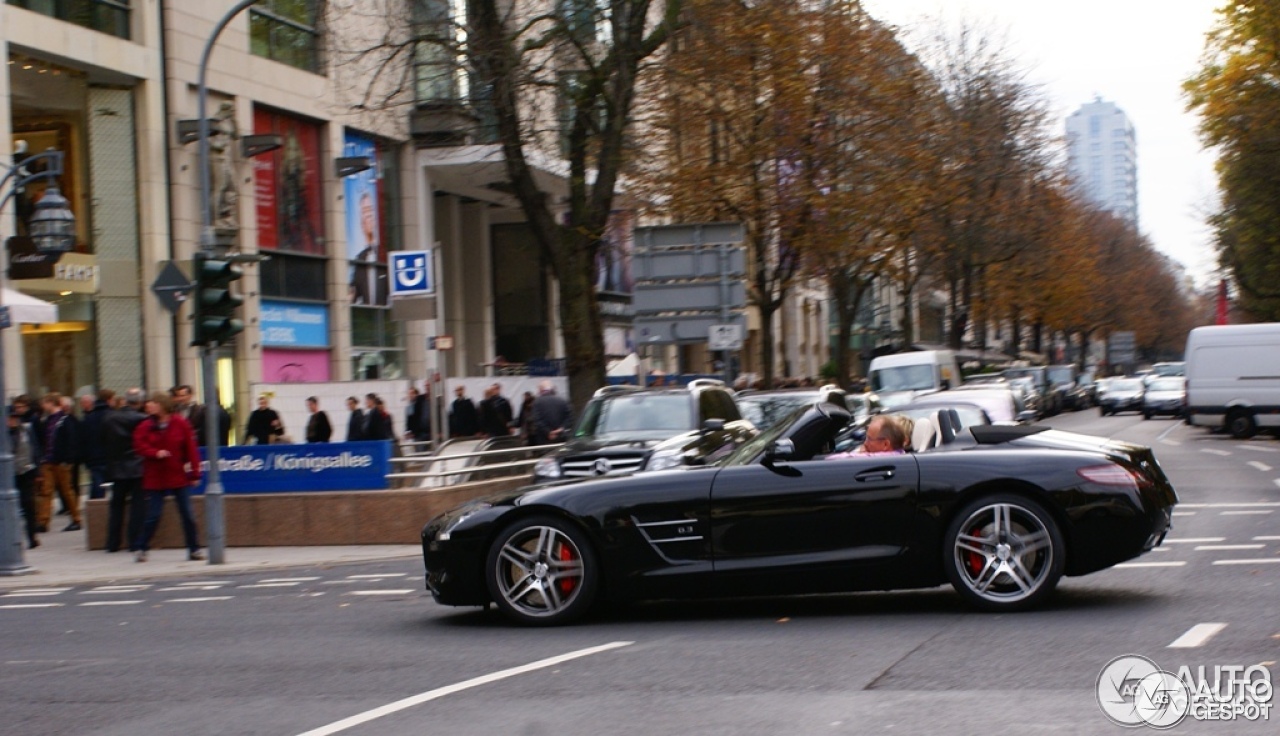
(595, 444)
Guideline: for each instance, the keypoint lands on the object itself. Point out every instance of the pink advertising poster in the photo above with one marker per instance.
(287, 184)
(295, 366)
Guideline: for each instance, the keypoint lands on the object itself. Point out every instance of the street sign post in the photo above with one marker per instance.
(411, 273)
(171, 287)
(725, 337)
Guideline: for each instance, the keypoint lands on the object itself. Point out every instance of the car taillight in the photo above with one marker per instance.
(1112, 475)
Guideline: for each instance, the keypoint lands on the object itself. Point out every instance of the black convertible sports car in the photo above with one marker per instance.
(1000, 512)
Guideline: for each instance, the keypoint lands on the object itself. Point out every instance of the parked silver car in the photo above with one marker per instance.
(1166, 396)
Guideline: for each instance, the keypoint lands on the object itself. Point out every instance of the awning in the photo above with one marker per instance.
(24, 309)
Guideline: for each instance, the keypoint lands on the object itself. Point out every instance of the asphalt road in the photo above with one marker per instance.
(303, 652)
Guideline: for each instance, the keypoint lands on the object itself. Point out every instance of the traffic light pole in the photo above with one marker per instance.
(215, 525)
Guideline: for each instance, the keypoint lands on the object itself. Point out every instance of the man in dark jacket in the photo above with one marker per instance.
(377, 422)
(186, 406)
(417, 425)
(463, 418)
(495, 413)
(355, 423)
(59, 451)
(552, 416)
(123, 468)
(94, 410)
(264, 423)
(318, 427)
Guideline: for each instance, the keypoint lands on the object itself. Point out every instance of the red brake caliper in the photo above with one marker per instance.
(973, 559)
(567, 584)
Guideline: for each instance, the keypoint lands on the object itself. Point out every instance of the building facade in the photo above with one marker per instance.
(1102, 156)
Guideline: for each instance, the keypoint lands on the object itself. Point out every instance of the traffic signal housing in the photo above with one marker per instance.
(215, 304)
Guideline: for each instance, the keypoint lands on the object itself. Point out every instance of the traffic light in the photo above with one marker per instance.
(215, 304)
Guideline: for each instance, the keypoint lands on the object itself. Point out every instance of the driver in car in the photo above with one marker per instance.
(887, 434)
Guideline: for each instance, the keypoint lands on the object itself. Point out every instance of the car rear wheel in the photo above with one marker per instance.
(1004, 553)
(541, 571)
(1241, 425)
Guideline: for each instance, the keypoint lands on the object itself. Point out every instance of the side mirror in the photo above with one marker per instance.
(713, 425)
(780, 450)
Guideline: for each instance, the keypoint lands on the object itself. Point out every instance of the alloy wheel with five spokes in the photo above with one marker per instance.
(542, 571)
(1004, 553)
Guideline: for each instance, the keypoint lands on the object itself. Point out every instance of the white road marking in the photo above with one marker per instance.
(207, 582)
(1196, 636)
(429, 695)
(1219, 547)
(1260, 466)
(181, 588)
(109, 603)
(269, 585)
(378, 575)
(1255, 504)
(380, 592)
(1246, 513)
(340, 582)
(1266, 539)
(32, 605)
(1160, 549)
(1175, 443)
(1223, 453)
(1257, 561)
(1166, 433)
(1276, 481)
(199, 600)
(115, 589)
(1179, 563)
(1257, 448)
(40, 591)
(289, 580)
(32, 594)
(1195, 540)
(1184, 513)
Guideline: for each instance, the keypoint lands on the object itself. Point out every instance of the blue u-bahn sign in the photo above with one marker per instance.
(337, 466)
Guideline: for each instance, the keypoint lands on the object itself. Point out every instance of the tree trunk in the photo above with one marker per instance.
(580, 319)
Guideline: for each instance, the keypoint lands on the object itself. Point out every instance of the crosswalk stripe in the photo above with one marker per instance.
(1197, 636)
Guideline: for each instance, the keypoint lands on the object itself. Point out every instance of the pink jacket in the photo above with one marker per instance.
(181, 468)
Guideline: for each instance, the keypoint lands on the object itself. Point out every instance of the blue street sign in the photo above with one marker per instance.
(411, 273)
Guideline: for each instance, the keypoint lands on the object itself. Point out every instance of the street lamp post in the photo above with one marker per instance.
(53, 230)
(215, 524)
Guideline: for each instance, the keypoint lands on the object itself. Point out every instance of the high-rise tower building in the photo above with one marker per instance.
(1102, 155)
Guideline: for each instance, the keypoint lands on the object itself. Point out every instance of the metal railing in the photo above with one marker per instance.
(445, 468)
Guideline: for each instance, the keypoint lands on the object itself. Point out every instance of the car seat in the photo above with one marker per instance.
(948, 423)
(923, 435)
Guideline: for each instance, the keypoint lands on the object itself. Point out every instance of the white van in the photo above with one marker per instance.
(899, 378)
(1233, 377)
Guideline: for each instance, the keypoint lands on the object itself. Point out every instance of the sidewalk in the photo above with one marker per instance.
(63, 559)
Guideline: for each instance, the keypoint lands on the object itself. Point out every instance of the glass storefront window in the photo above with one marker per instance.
(107, 16)
(286, 31)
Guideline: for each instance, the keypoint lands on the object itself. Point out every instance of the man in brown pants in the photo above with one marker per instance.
(59, 449)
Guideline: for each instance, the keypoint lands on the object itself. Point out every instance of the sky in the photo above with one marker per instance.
(1134, 53)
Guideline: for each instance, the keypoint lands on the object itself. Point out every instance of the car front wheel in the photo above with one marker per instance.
(1241, 425)
(1004, 553)
(541, 571)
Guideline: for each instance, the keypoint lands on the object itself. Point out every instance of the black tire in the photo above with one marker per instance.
(542, 571)
(1004, 552)
(1146, 415)
(1241, 424)
(1102, 411)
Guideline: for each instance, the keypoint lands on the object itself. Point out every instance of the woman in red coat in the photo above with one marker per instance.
(170, 465)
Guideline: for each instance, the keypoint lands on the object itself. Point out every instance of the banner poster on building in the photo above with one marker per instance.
(366, 244)
(325, 466)
(287, 184)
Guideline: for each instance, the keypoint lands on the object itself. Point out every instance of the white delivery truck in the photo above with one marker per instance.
(897, 379)
(1233, 377)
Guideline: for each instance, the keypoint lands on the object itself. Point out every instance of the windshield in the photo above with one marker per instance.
(1170, 369)
(1166, 384)
(766, 411)
(903, 378)
(1064, 374)
(748, 450)
(660, 415)
(1125, 384)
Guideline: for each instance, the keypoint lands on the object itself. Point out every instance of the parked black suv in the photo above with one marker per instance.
(622, 425)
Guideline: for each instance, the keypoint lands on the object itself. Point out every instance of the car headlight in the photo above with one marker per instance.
(665, 460)
(547, 467)
(447, 530)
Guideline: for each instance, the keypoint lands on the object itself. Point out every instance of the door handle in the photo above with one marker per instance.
(872, 475)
